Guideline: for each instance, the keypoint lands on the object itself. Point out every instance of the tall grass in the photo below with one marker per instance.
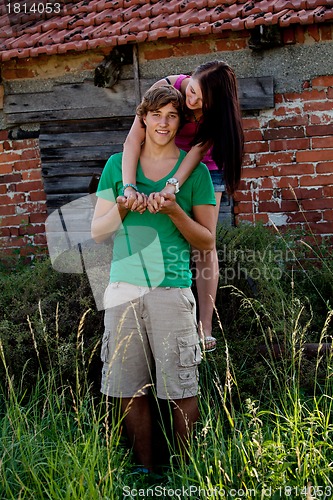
(63, 443)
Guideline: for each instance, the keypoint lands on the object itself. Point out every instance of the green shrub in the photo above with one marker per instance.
(274, 290)
(40, 313)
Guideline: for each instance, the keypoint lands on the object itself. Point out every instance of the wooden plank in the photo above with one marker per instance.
(79, 154)
(256, 93)
(71, 101)
(67, 184)
(70, 114)
(85, 101)
(81, 139)
(72, 168)
(93, 125)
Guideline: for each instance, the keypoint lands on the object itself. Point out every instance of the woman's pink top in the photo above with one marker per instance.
(186, 134)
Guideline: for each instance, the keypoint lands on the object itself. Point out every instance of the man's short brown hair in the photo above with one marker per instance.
(158, 98)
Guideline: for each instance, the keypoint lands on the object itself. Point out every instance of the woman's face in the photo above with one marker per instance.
(193, 95)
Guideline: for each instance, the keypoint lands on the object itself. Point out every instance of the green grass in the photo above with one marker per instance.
(63, 443)
(266, 425)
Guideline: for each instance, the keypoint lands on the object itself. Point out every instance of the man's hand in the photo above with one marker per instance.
(162, 202)
(135, 201)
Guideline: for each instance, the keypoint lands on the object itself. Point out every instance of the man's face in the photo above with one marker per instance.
(162, 124)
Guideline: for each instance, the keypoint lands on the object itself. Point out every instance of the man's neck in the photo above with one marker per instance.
(155, 152)
(158, 161)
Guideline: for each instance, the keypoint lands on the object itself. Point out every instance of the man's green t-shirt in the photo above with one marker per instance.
(148, 248)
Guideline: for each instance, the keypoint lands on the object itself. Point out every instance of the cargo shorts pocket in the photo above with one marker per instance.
(188, 377)
(105, 349)
(189, 350)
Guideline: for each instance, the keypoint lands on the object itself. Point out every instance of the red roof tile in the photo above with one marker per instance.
(83, 24)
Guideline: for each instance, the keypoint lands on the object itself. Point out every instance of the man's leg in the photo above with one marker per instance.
(185, 414)
(138, 423)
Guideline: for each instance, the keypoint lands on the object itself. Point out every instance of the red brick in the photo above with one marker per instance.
(37, 195)
(326, 32)
(38, 217)
(271, 158)
(302, 193)
(33, 164)
(257, 172)
(322, 142)
(314, 95)
(10, 178)
(29, 154)
(32, 175)
(6, 168)
(24, 144)
(9, 157)
(40, 239)
(319, 130)
(328, 215)
(288, 36)
(318, 180)
(226, 45)
(26, 187)
(150, 54)
(243, 207)
(299, 34)
(317, 106)
(4, 231)
(253, 135)
(313, 31)
(14, 199)
(285, 110)
(242, 196)
(32, 229)
(14, 231)
(293, 169)
(289, 144)
(325, 168)
(301, 217)
(189, 49)
(3, 135)
(256, 147)
(322, 227)
(288, 121)
(328, 191)
(287, 182)
(317, 204)
(321, 119)
(322, 81)
(284, 133)
(31, 207)
(316, 155)
(7, 210)
(15, 220)
(252, 218)
(250, 123)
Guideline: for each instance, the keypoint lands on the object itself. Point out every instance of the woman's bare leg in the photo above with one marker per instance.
(207, 278)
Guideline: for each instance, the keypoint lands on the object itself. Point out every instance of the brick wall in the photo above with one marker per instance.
(288, 166)
(22, 198)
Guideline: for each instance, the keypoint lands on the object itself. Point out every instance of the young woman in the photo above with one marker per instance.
(212, 134)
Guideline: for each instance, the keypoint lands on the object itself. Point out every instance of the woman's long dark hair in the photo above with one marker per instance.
(221, 125)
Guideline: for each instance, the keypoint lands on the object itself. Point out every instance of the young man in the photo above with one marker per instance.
(150, 333)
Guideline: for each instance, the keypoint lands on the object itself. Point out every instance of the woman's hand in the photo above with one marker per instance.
(135, 201)
(162, 202)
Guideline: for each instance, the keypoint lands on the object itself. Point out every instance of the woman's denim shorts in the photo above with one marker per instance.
(218, 181)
